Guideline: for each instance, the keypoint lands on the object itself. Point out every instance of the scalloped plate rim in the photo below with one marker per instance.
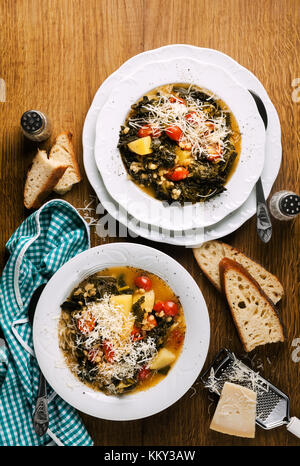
(144, 403)
(116, 179)
(237, 218)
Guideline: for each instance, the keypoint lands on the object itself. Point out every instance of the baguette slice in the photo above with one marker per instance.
(254, 314)
(209, 254)
(41, 179)
(63, 152)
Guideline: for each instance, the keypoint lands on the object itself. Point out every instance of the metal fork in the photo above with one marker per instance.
(263, 220)
(41, 415)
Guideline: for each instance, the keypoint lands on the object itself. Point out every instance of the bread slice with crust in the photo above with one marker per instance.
(254, 314)
(41, 178)
(209, 255)
(63, 152)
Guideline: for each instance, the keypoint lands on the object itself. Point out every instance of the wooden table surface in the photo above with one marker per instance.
(54, 56)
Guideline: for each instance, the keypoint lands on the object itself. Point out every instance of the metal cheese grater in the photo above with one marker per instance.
(272, 404)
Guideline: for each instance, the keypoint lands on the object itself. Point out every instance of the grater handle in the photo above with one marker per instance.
(294, 426)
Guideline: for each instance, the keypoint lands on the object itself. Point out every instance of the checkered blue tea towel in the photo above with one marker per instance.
(41, 245)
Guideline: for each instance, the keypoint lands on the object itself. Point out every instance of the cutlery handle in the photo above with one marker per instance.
(41, 415)
(263, 220)
(294, 426)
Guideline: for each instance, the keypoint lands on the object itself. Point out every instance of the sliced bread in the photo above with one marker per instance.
(42, 176)
(209, 255)
(63, 152)
(254, 314)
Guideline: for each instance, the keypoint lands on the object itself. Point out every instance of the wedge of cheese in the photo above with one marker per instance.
(236, 411)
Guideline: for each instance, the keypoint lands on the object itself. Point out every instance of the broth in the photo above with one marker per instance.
(206, 174)
(172, 329)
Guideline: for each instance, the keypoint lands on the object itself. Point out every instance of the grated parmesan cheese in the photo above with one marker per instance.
(237, 373)
(113, 326)
(201, 134)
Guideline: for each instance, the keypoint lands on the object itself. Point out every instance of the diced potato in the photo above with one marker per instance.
(141, 146)
(148, 304)
(124, 301)
(183, 157)
(163, 358)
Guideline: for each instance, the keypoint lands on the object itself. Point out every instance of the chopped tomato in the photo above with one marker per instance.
(108, 352)
(174, 99)
(179, 173)
(135, 334)
(92, 354)
(213, 157)
(176, 337)
(147, 130)
(144, 131)
(143, 282)
(159, 306)
(86, 324)
(170, 308)
(173, 132)
(210, 125)
(156, 132)
(144, 373)
(190, 116)
(214, 152)
(215, 149)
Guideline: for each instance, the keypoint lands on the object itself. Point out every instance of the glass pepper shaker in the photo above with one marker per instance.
(35, 125)
(285, 205)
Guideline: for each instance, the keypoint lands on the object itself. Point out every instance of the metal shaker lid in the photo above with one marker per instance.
(32, 121)
(290, 204)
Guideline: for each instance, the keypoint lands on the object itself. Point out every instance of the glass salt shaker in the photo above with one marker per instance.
(285, 205)
(35, 125)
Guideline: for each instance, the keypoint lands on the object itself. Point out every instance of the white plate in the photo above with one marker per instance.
(234, 220)
(136, 405)
(147, 209)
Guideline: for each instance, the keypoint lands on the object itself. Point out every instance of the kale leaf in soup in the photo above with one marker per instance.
(180, 143)
(112, 330)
